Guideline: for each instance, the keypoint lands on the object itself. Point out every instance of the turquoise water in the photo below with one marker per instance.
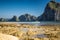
(36, 23)
(40, 23)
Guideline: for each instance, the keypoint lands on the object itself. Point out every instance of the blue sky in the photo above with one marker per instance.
(9, 8)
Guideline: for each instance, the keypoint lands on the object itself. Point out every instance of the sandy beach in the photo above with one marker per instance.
(31, 32)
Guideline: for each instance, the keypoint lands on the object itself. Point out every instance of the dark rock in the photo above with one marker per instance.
(2, 19)
(27, 17)
(50, 12)
(14, 18)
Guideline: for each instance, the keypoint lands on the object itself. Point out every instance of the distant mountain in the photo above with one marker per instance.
(22, 18)
(27, 17)
(51, 12)
(2, 19)
(14, 18)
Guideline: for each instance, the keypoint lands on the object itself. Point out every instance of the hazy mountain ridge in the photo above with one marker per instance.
(23, 18)
(51, 13)
(27, 17)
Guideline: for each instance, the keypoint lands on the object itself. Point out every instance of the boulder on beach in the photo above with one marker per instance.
(7, 37)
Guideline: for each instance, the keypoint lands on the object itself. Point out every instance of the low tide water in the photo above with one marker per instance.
(40, 23)
(36, 23)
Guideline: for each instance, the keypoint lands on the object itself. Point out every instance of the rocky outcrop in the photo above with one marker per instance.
(2, 19)
(27, 17)
(57, 14)
(51, 12)
(7, 37)
(14, 18)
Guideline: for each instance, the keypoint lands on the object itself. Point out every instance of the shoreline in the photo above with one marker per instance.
(33, 23)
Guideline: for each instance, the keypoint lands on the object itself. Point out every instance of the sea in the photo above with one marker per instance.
(37, 23)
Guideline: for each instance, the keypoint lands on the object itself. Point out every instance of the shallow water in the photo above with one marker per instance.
(36, 23)
(40, 23)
